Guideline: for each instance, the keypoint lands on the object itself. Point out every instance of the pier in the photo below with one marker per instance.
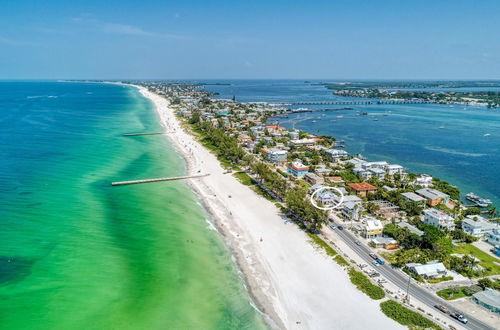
(122, 183)
(359, 102)
(139, 134)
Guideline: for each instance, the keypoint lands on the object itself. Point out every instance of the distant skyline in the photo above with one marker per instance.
(249, 39)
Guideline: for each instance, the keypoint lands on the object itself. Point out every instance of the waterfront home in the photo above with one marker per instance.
(372, 228)
(478, 226)
(493, 237)
(313, 178)
(387, 243)
(362, 188)
(411, 228)
(395, 169)
(432, 269)
(274, 128)
(423, 180)
(297, 169)
(489, 299)
(439, 219)
(356, 162)
(302, 142)
(275, 155)
(433, 196)
(412, 197)
(336, 154)
(293, 134)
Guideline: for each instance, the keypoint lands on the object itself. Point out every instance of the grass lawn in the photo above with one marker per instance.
(488, 262)
(244, 178)
(448, 294)
(406, 316)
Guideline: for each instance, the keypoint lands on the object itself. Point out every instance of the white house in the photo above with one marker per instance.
(424, 180)
(431, 269)
(494, 237)
(439, 219)
(478, 226)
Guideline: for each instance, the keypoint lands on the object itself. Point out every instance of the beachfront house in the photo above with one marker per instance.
(372, 228)
(433, 196)
(432, 269)
(489, 299)
(336, 154)
(297, 169)
(439, 219)
(478, 226)
(493, 237)
(363, 188)
(275, 155)
(313, 178)
(302, 142)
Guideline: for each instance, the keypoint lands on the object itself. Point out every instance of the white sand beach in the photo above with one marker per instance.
(295, 285)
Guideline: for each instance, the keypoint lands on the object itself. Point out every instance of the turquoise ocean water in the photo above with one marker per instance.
(76, 253)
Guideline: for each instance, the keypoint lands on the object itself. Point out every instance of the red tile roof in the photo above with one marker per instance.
(363, 186)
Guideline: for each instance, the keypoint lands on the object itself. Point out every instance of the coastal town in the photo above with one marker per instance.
(447, 245)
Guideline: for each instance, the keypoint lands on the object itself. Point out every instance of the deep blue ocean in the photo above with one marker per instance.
(457, 143)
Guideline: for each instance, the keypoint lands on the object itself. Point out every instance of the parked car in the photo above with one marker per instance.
(459, 316)
(375, 274)
(373, 255)
(442, 308)
(382, 280)
(363, 265)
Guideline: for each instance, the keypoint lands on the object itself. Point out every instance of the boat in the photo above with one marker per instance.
(487, 134)
(340, 117)
(314, 121)
(441, 127)
(364, 113)
(375, 119)
(481, 202)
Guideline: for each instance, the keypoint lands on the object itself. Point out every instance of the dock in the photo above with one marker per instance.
(139, 134)
(122, 183)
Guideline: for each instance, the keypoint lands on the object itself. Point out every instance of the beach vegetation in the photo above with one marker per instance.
(365, 285)
(406, 316)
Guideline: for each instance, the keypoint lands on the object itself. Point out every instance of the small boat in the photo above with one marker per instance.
(375, 119)
(441, 127)
(487, 134)
(364, 113)
(481, 202)
(340, 117)
(314, 121)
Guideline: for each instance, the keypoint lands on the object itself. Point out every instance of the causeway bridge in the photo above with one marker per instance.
(354, 102)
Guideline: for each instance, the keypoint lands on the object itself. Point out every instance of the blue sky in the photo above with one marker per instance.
(250, 39)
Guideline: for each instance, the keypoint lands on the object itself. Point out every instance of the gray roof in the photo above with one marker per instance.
(411, 228)
(431, 193)
(430, 268)
(413, 197)
(489, 297)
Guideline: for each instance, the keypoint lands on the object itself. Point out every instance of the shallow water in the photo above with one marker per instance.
(75, 252)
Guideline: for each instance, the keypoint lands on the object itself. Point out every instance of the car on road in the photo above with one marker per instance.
(374, 274)
(376, 264)
(442, 308)
(340, 227)
(357, 242)
(380, 261)
(373, 255)
(382, 280)
(459, 316)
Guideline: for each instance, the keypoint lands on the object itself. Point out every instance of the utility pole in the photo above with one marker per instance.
(408, 290)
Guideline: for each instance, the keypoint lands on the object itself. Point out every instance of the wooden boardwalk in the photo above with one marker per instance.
(122, 183)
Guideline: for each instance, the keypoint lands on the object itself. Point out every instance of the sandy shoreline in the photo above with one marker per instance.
(293, 284)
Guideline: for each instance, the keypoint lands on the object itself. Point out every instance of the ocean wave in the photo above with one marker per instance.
(454, 152)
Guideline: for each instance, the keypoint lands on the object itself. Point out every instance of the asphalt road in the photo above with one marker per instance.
(400, 279)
